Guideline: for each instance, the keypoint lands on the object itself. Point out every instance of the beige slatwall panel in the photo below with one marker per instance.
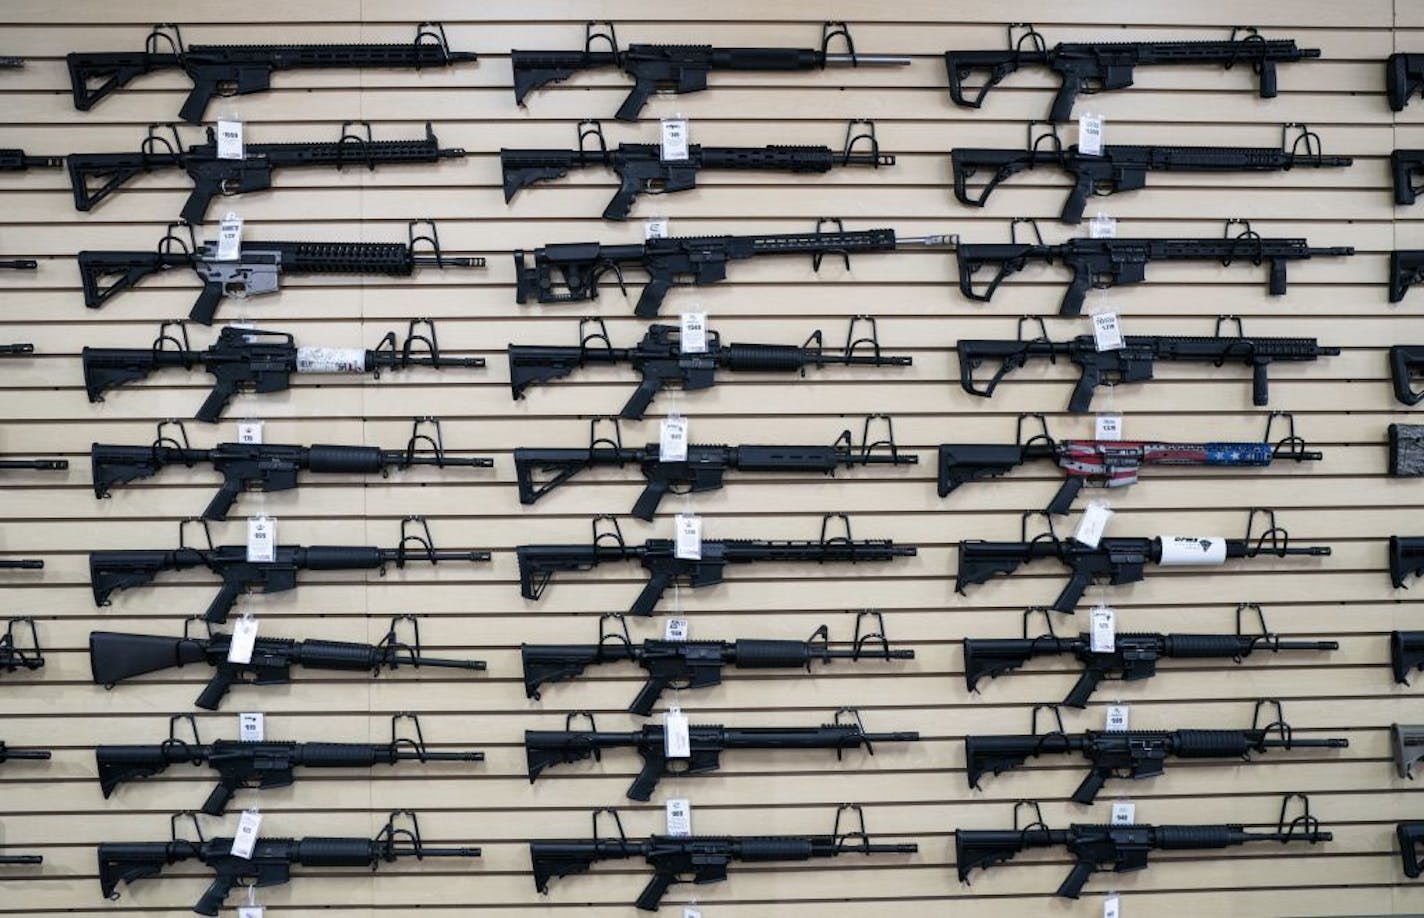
(918, 791)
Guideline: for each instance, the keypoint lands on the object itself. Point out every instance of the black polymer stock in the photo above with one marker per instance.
(266, 466)
(1406, 653)
(15, 652)
(1406, 558)
(697, 664)
(1406, 364)
(540, 471)
(95, 176)
(115, 657)
(1093, 66)
(1404, 76)
(227, 70)
(1411, 847)
(111, 571)
(659, 359)
(1408, 743)
(678, 68)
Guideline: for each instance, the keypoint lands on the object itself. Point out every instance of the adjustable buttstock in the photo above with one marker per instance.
(983, 849)
(127, 269)
(111, 466)
(127, 862)
(113, 571)
(106, 368)
(118, 764)
(960, 464)
(549, 364)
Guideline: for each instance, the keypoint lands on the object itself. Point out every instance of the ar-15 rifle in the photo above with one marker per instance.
(1406, 557)
(1094, 66)
(257, 360)
(1406, 363)
(1404, 76)
(696, 664)
(263, 764)
(1408, 742)
(258, 268)
(1103, 263)
(706, 743)
(271, 860)
(213, 175)
(15, 656)
(678, 68)
(1133, 362)
(705, 466)
(539, 563)
(578, 267)
(110, 571)
(641, 168)
(1124, 168)
(660, 359)
(1133, 754)
(1134, 655)
(1107, 463)
(1119, 848)
(114, 657)
(225, 70)
(265, 466)
(1406, 653)
(29, 755)
(1411, 847)
(696, 859)
(13, 160)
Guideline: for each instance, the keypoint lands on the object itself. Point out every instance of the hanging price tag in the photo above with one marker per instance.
(261, 539)
(1108, 427)
(250, 911)
(655, 228)
(244, 636)
(674, 139)
(1117, 719)
(229, 140)
(229, 237)
(1112, 907)
(246, 836)
(689, 537)
(690, 912)
(676, 743)
(679, 818)
(250, 727)
(1102, 227)
(673, 436)
(676, 630)
(1090, 134)
(1124, 813)
(249, 431)
(1107, 331)
(693, 339)
(1092, 523)
(1103, 636)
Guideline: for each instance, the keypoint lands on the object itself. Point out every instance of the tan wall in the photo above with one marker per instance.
(918, 791)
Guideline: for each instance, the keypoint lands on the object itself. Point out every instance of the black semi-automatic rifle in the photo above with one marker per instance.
(570, 272)
(271, 860)
(1119, 848)
(1404, 76)
(1406, 558)
(1406, 364)
(1406, 653)
(1411, 847)
(8, 754)
(1102, 263)
(227, 70)
(698, 859)
(110, 571)
(706, 743)
(1408, 743)
(1106, 463)
(1120, 167)
(1133, 362)
(539, 563)
(15, 652)
(1133, 658)
(95, 176)
(678, 68)
(258, 268)
(13, 160)
(263, 764)
(260, 361)
(1094, 66)
(540, 471)
(660, 359)
(1133, 754)
(114, 657)
(697, 664)
(266, 466)
(641, 168)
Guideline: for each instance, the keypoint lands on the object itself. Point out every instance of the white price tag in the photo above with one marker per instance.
(1108, 427)
(673, 436)
(1117, 719)
(1102, 637)
(1192, 550)
(1112, 907)
(655, 228)
(1092, 523)
(693, 339)
(250, 727)
(250, 911)
(676, 630)
(689, 537)
(1102, 227)
(1107, 331)
(690, 912)
(1090, 134)
(331, 360)
(261, 539)
(1124, 813)
(245, 838)
(674, 139)
(229, 237)
(249, 431)
(676, 743)
(679, 817)
(230, 140)
(244, 636)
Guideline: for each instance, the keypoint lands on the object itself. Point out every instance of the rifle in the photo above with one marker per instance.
(678, 68)
(272, 858)
(578, 267)
(114, 657)
(1103, 263)
(696, 664)
(1406, 450)
(32, 755)
(1406, 653)
(256, 360)
(213, 176)
(539, 563)
(225, 70)
(264, 466)
(260, 765)
(13, 160)
(1118, 560)
(1120, 848)
(703, 858)
(1101, 65)
(258, 268)
(1406, 363)
(1134, 754)
(1124, 168)
(1408, 742)
(110, 571)
(1134, 655)
(1404, 76)
(546, 748)
(1411, 844)
(641, 168)
(704, 468)
(1406, 557)
(1106, 463)
(660, 360)
(1133, 362)
(13, 653)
